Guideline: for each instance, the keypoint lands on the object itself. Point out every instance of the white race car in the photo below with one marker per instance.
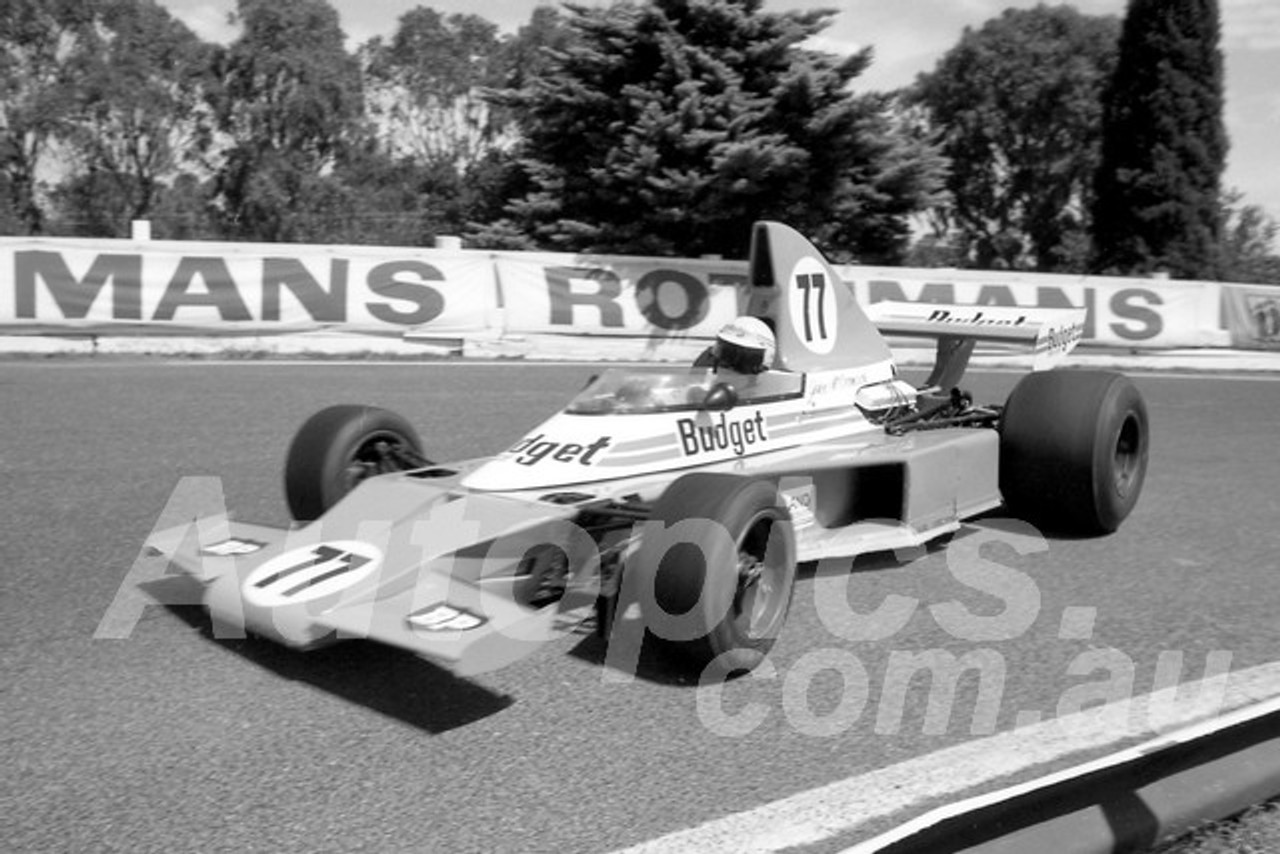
(675, 503)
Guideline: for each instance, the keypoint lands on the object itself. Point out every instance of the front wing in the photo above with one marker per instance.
(406, 563)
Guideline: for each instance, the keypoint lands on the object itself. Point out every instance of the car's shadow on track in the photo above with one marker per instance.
(401, 685)
(387, 680)
(652, 665)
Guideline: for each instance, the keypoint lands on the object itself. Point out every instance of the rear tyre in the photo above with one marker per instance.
(340, 446)
(1073, 450)
(722, 581)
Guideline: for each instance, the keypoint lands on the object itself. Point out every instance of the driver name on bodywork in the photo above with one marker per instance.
(721, 434)
(535, 449)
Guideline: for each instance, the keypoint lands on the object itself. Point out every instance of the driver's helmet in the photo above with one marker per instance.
(746, 345)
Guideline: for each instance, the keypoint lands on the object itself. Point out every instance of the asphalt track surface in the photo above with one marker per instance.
(172, 740)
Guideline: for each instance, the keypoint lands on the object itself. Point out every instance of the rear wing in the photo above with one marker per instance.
(1049, 333)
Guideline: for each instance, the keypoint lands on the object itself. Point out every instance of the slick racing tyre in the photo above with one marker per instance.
(722, 578)
(1073, 450)
(340, 446)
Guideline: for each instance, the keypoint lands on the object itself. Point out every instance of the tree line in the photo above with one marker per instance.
(1043, 140)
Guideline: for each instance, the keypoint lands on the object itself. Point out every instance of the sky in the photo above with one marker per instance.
(909, 37)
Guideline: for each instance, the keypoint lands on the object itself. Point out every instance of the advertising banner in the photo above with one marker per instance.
(662, 298)
(1122, 312)
(96, 287)
(167, 288)
(665, 298)
(1252, 315)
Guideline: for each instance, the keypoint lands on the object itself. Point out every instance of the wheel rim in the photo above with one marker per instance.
(1127, 455)
(760, 600)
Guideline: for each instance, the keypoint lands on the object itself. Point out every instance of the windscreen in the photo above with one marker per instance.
(629, 390)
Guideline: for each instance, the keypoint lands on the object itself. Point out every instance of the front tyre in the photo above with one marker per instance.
(1073, 450)
(722, 571)
(340, 446)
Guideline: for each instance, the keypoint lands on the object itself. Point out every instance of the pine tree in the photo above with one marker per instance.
(667, 127)
(1158, 189)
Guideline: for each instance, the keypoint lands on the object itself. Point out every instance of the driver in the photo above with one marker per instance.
(746, 346)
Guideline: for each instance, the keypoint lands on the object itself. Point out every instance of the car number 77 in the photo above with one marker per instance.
(813, 303)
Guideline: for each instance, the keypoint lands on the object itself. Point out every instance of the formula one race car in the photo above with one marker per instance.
(676, 502)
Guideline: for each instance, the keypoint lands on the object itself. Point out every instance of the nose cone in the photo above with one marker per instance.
(567, 449)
